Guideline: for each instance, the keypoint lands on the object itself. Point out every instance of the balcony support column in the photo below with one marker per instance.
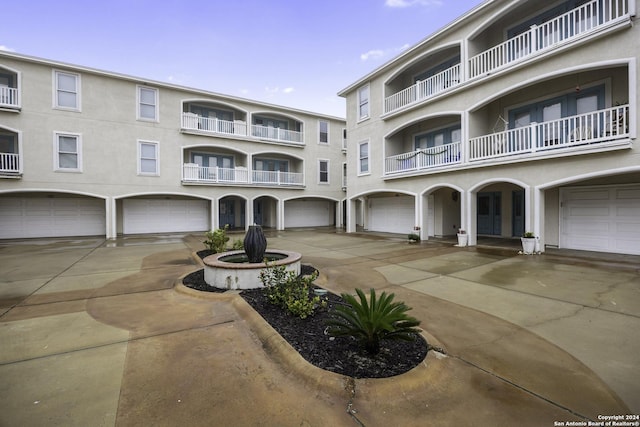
(110, 217)
(214, 220)
(538, 217)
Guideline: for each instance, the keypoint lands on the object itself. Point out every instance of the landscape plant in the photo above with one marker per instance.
(217, 239)
(372, 321)
(289, 291)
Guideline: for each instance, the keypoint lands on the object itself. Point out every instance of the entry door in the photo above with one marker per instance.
(517, 219)
(490, 213)
(227, 213)
(257, 212)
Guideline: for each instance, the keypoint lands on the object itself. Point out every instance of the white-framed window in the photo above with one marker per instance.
(323, 171)
(363, 102)
(344, 175)
(323, 136)
(66, 90)
(344, 138)
(147, 103)
(67, 152)
(148, 158)
(363, 158)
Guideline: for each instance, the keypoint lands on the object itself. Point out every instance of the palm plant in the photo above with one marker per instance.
(372, 321)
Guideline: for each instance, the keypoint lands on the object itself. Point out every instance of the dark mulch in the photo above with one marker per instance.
(342, 355)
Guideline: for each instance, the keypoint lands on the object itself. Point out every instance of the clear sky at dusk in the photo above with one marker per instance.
(297, 53)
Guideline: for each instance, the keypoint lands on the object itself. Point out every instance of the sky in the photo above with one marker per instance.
(295, 53)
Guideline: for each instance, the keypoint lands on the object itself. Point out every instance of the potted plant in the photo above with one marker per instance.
(528, 243)
(414, 236)
(462, 237)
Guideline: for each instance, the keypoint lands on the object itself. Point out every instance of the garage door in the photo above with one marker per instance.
(164, 216)
(308, 213)
(604, 219)
(391, 214)
(51, 217)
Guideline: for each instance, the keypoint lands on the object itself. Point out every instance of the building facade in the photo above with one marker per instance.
(520, 116)
(88, 152)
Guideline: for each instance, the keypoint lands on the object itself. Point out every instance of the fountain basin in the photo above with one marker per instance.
(229, 270)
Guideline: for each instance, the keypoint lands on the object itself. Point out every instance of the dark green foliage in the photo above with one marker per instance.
(291, 293)
(374, 320)
(217, 239)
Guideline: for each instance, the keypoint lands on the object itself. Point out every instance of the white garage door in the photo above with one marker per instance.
(308, 213)
(604, 219)
(164, 216)
(51, 217)
(391, 214)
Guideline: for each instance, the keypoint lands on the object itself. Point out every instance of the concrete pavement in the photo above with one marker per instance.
(95, 332)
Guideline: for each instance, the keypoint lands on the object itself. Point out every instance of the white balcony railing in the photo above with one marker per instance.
(423, 89)
(442, 155)
(584, 129)
(8, 97)
(581, 20)
(213, 125)
(590, 130)
(277, 178)
(213, 174)
(192, 172)
(9, 163)
(276, 134)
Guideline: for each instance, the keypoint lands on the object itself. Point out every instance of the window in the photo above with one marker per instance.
(147, 103)
(363, 158)
(323, 171)
(68, 153)
(363, 102)
(324, 132)
(148, 158)
(344, 175)
(436, 138)
(344, 138)
(67, 91)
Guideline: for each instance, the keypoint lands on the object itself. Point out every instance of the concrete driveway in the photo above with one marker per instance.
(96, 332)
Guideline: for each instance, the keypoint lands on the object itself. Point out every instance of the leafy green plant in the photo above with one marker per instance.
(290, 292)
(373, 321)
(238, 244)
(529, 235)
(413, 236)
(217, 239)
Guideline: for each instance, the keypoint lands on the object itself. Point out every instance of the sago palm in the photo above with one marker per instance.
(372, 321)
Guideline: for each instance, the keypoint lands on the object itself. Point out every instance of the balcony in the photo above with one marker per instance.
(426, 158)
(213, 125)
(558, 31)
(10, 164)
(584, 132)
(590, 130)
(9, 97)
(193, 173)
(424, 89)
(277, 134)
(562, 29)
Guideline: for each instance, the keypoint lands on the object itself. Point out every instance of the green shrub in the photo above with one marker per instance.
(372, 321)
(291, 293)
(217, 239)
(238, 244)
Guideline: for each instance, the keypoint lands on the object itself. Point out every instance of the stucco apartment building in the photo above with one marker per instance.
(89, 152)
(519, 116)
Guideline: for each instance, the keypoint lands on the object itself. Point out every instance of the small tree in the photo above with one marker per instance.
(373, 321)
(217, 239)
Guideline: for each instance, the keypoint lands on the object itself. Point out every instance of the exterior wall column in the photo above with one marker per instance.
(110, 218)
(280, 215)
(214, 214)
(418, 215)
(248, 214)
(468, 216)
(351, 215)
(538, 224)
